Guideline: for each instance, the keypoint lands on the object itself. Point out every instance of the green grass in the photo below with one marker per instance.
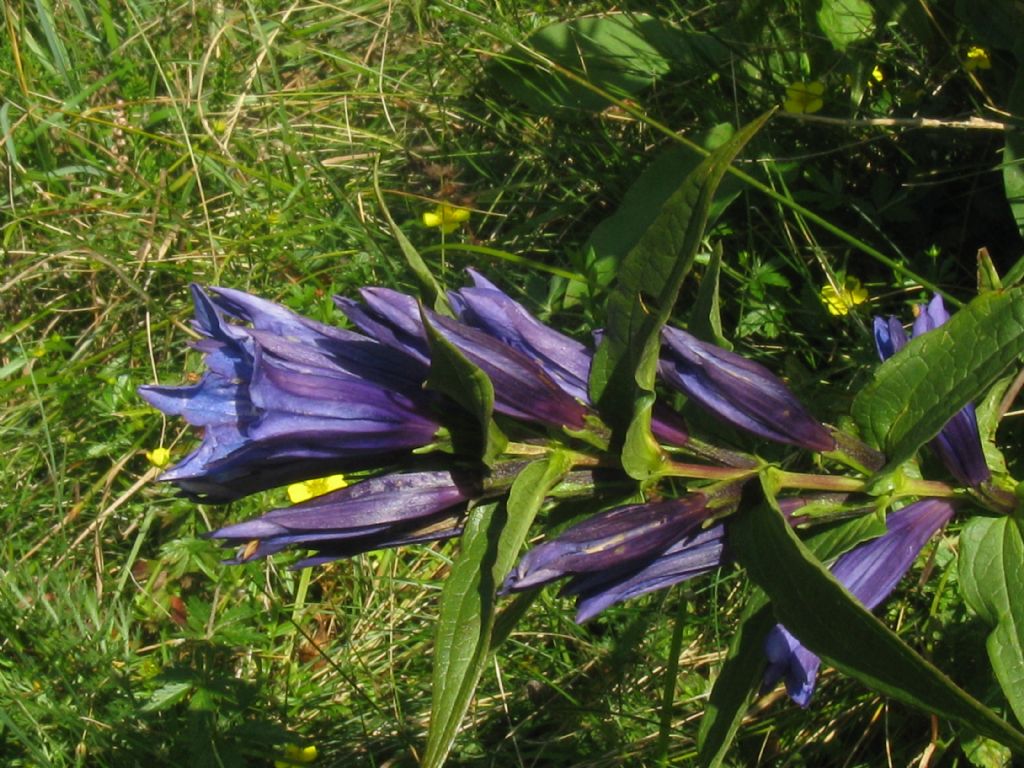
(147, 146)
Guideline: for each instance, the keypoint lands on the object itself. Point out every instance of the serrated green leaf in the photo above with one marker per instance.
(915, 392)
(168, 695)
(650, 276)
(992, 579)
(845, 22)
(816, 608)
(491, 541)
(453, 375)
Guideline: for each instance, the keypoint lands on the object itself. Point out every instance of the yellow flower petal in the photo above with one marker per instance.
(804, 98)
(293, 754)
(877, 74)
(308, 489)
(159, 457)
(977, 58)
(850, 294)
(446, 217)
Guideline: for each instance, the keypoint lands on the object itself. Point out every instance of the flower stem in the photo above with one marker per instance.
(705, 472)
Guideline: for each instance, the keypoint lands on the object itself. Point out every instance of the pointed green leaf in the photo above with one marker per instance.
(706, 317)
(453, 375)
(816, 608)
(490, 544)
(916, 391)
(742, 671)
(992, 578)
(616, 235)
(649, 280)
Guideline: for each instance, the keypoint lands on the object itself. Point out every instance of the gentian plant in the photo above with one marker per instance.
(469, 418)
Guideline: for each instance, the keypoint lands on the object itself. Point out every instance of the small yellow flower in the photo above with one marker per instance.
(446, 217)
(296, 755)
(846, 298)
(977, 58)
(877, 74)
(804, 98)
(308, 489)
(159, 457)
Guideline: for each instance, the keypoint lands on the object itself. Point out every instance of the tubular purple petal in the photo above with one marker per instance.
(788, 660)
(958, 444)
(739, 391)
(377, 512)
(522, 388)
(890, 337)
(932, 315)
(694, 555)
(488, 309)
(288, 399)
(624, 537)
(391, 318)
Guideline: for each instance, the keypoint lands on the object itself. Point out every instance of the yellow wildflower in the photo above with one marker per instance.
(307, 489)
(296, 755)
(159, 457)
(804, 98)
(877, 74)
(850, 294)
(977, 58)
(446, 217)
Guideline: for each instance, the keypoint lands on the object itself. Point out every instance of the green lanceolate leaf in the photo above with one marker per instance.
(649, 280)
(706, 317)
(453, 375)
(992, 578)
(830, 622)
(491, 541)
(616, 235)
(914, 393)
(744, 664)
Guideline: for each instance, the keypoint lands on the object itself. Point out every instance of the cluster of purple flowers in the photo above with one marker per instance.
(286, 399)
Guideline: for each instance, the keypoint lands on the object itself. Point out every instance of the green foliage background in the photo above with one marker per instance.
(146, 145)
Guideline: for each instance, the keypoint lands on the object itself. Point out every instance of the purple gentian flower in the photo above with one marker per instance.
(739, 391)
(487, 308)
(870, 572)
(522, 387)
(616, 539)
(287, 399)
(693, 555)
(379, 512)
(958, 444)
